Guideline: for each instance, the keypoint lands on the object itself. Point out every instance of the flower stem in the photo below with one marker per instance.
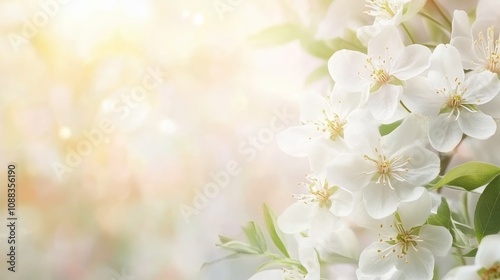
(412, 40)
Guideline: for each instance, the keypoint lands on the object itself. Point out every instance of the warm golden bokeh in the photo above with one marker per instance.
(181, 94)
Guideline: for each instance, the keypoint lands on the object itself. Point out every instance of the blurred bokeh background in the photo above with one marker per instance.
(182, 92)
(118, 113)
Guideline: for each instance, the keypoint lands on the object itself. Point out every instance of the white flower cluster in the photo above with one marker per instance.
(436, 94)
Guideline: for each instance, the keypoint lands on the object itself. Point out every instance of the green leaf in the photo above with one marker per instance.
(443, 216)
(469, 176)
(224, 239)
(487, 213)
(255, 236)
(318, 74)
(276, 35)
(274, 231)
(388, 128)
(228, 257)
(317, 48)
(288, 263)
(471, 253)
(240, 247)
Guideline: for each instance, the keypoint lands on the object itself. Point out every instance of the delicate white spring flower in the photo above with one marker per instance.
(387, 170)
(388, 13)
(307, 257)
(486, 264)
(451, 100)
(316, 210)
(381, 74)
(479, 43)
(320, 136)
(479, 47)
(406, 243)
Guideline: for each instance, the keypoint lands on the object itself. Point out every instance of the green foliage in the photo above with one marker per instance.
(469, 176)
(444, 218)
(276, 35)
(388, 128)
(255, 236)
(487, 213)
(274, 231)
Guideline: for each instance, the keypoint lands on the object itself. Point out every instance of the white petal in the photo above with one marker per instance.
(347, 70)
(322, 152)
(420, 97)
(298, 140)
(444, 133)
(461, 25)
(380, 200)
(420, 265)
(415, 213)
(481, 87)
(387, 41)
(423, 165)
(408, 192)
(309, 259)
(467, 51)
(412, 61)
(322, 221)
(446, 66)
(384, 102)
(477, 124)
(491, 108)
(412, 131)
(437, 239)
(348, 171)
(312, 106)
(342, 203)
(273, 274)
(371, 261)
(488, 252)
(468, 272)
(296, 218)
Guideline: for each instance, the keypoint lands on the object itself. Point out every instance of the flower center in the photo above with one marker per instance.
(382, 8)
(387, 169)
(489, 47)
(291, 274)
(454, 99)
(491, 273)
(317, 193)
(402, 243)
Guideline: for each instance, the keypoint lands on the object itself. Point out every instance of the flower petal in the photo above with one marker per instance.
(296, 218)
(465, 46)
(412, 131)
(411, 62)
(477, 124)
(481, 87)
(446, 67)
(387, 41)
(488, 252)
(384, 102)
(298, 140)
(273, 274)
(415, 213)
(347, 70)
(422, 167)
(461, 25)
(444, 133)
(312, 106)
(420, 97)
(372, 262)
(342, 203)
(420, 265)
(380, 200)
(436, 238)
(468, 272)
(348, 171)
